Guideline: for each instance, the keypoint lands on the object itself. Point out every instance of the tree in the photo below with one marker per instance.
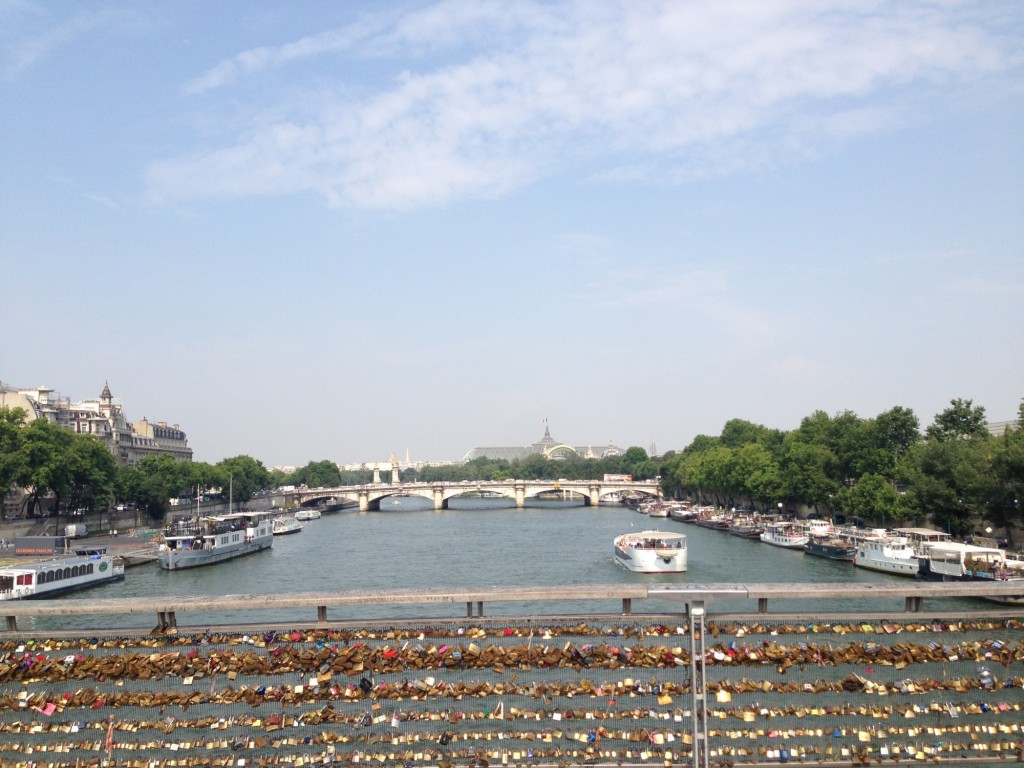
(896, 431)
(151, 484)
(46, 448)
(246, 475)
(872, 498)
(92, 474)
(960, 421)
(808, 471)
(318, 474)
(1005, 505)
(13, 466)
(736, 433)
(757, 474)
(950, 480)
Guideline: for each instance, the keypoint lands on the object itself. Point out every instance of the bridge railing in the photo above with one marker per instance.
(682, 684)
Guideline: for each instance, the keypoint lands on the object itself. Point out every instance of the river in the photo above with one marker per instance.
(481, 544)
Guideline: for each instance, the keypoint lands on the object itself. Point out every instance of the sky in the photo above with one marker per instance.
(308, 231)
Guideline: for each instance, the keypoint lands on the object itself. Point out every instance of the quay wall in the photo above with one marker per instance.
(668, 688)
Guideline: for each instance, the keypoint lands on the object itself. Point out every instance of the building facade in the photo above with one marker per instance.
(547, 446)
(103, 417)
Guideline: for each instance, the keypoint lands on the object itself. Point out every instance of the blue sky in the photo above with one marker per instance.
(312, 230)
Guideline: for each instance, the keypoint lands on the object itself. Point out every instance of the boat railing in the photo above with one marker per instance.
(688, 681)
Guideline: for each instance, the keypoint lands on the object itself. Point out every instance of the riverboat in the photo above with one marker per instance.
(785, 534)
(46, 578)
(831, 547)
(953, 561)
(307, 514)
(682, 511)
(716, 521)
(282, 526)
(746, 526)
(194, 542)
(651, 551)
(657, 509)
(888, 554)
(922, 539)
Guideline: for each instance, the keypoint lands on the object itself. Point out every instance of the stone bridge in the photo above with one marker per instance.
(370, 496)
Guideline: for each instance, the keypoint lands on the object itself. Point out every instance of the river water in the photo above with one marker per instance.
(482, 544)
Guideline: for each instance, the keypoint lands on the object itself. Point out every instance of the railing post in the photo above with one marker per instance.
(627, 606)
(321, 614)
(698, 687)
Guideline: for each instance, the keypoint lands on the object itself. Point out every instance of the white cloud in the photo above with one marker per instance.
(493, 96)
(23, 51)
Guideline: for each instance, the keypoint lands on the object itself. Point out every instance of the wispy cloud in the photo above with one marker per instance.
(484, 98)
(21, 52)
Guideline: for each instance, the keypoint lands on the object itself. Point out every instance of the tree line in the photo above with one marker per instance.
(879, 470)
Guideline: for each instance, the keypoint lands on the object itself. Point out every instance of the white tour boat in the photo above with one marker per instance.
(785, 534)
(888, 554)
(284, 525)
(200, 541)
(953, 561)
(651, 551)
(44, 578)
(307, 514)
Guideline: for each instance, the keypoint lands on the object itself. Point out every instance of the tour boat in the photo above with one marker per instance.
(952, 561)
(831, 547)
(189, 543)
(282, 526)
(651, 551)
(888, 554)
(44, 578)
(785, 534)
(307, 514)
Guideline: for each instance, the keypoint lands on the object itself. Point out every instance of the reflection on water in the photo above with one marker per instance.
(487, 544)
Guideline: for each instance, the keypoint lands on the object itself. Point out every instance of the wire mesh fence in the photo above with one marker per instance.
(521, 692)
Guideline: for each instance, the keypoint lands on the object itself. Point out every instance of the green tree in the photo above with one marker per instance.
(872, 498)
(736, 433)
(13, 465)
(46, 448)
(1005, 505)
(92, 474)
(807, 472)
(896, 431)
(246, 475)
(757, 474)
(961, 420)
(949, 481)
(318, 474)
(151, 484)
